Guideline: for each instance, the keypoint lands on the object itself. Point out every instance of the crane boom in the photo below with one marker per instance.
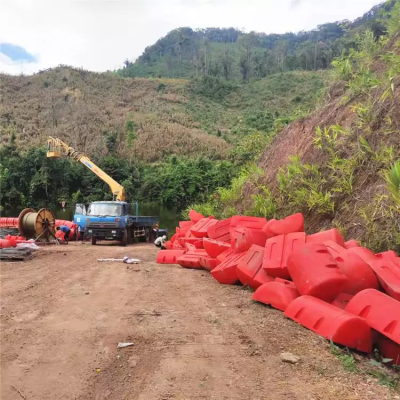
(56, 148)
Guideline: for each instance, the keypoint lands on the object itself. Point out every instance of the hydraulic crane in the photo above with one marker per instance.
(56, 148)
(106, 220)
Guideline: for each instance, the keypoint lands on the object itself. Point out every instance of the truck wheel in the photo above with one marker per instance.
(94, 240)
(124, 240)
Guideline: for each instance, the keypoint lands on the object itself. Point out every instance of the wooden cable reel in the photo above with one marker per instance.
(37, 225)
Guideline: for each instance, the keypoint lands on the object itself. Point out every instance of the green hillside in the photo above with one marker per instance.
(233, 54)
(166, 140)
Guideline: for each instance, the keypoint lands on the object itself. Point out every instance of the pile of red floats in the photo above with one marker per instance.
(337, 289)
(13, 223)
(11, 241)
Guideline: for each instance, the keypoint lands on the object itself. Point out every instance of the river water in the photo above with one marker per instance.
(169, 218)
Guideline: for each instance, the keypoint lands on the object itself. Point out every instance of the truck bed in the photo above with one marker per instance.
(143, 220)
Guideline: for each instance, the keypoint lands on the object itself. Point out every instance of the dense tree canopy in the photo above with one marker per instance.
(233, 54)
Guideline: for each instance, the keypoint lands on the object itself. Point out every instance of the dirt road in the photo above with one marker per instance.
(63, 314)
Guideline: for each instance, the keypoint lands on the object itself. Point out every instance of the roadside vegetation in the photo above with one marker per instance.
(350, 176)
(375, 368)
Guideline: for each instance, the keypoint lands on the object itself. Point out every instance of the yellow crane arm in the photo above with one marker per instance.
(56, 148)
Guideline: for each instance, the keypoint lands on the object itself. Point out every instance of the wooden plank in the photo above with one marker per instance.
(13, 254)
(15, 257)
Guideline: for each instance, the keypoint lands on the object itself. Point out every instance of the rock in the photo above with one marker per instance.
(289, 358)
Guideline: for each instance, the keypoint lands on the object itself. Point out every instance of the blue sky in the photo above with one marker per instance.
(100, 34)
(16, 53)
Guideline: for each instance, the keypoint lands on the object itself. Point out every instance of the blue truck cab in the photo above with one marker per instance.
(115, 220)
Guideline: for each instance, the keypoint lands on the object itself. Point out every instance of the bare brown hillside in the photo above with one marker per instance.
(79, 106)
(342, 169)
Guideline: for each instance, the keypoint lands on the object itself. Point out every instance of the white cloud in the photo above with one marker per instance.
(99, 34)
(9, 66)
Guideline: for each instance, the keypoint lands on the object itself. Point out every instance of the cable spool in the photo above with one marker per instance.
(35, 225)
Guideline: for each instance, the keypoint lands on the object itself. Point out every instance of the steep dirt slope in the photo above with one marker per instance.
(359, 141)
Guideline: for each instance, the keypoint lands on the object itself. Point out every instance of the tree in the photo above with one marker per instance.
(281, 52)
(306, 54)
(260, 65)
(215, 68)
(226, 62)
(128, 63)
(131, 137)
(248, 43)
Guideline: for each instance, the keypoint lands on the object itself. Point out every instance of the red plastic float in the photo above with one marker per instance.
(277, 251)
(214, 247)
(60, 235)
(243, 238)
(292, 223)
(279, 294)
(4, 243)
(342, 300)
(220, 231)
(381, 312)
(191, 259)
(189, 247)
(387, 255)
(250, 271)
(14, 240)
(247, 222)
(194, 216)
(331, 322)
(8, 222)
(72, 235)
(226, 271)
(351, 243)
(169, 256)
(190, 235)
(225, 254)
(359, 273)
(199, 244)
(61, 222)
(315, 272)
(177, 246)
(191, 240)
(208, 263)
(321, 237)
(184, 227)
(389, 350)
(200, 229)
(389, 276)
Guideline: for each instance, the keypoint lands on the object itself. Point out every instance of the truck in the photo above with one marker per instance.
(107, 220)
(116, 220)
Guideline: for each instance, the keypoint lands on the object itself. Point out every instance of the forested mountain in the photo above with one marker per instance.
(233, 54)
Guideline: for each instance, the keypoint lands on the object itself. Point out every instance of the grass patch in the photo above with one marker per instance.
(377, 369)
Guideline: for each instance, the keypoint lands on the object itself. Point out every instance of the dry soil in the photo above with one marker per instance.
(63, 314)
